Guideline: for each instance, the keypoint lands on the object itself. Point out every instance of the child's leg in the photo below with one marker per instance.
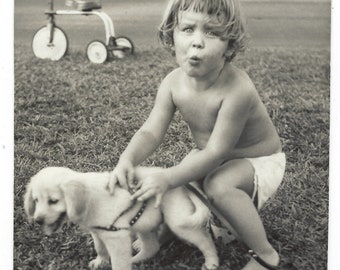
(230, 188)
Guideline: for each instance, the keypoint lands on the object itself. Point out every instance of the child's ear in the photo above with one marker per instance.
(228, 55)
(228, 52)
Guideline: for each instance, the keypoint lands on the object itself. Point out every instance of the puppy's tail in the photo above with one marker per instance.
(201, 214)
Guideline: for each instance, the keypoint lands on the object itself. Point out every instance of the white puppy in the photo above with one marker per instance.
(55, 195)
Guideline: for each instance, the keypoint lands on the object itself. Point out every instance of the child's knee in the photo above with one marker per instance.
(215, 189)
(229, 179)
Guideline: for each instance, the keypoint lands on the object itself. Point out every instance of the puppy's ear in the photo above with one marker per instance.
(29, 204)
(76, 199)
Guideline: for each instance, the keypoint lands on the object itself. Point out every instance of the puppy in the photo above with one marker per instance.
(56, 195)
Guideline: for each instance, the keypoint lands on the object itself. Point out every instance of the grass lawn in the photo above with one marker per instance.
(80, 115)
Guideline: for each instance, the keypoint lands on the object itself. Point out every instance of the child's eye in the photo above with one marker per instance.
(187, 30)
(212, 34)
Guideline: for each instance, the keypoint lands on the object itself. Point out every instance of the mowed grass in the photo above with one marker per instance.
(80, 115)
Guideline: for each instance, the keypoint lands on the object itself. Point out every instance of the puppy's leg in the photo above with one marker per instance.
(188, 222)
(148, 245)
(118, 245)
(200, 238)
(103, 257)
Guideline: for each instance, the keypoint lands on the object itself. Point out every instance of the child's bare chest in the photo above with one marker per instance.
(199, 110)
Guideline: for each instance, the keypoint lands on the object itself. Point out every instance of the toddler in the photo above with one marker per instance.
(238, 159)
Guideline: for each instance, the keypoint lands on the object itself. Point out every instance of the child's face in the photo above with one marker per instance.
(199, 50)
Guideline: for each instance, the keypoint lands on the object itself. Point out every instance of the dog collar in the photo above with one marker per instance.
(132, 222)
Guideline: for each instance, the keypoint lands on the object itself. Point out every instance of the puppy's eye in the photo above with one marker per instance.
(51, 201)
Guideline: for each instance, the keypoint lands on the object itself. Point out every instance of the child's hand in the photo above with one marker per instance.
(123, 174)
(152, 185)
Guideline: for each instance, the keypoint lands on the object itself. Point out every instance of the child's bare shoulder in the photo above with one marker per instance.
(172, 76)
(169, 82)
(243, 80)
(240, 84)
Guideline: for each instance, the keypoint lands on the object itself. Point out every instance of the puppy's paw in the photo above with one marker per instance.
(210, 267)
(98, 263)
(137, 246)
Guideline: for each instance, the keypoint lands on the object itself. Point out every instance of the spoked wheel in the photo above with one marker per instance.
(124, 47)
(97, 52)
(43, 48)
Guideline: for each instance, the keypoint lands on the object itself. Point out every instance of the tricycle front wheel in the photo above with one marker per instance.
(46, 47)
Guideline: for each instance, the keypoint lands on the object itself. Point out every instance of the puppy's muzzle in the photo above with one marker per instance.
(39, 220)
(50, 228)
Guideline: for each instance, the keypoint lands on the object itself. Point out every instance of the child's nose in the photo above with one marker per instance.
(198, 40)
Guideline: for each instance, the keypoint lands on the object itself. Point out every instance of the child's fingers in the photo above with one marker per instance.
(158, 200)
(132, 181)
(122, 180)
(142, 195)
(131, 175)
(148, 194)
(137, 194)
(137, 185)
(112, 183)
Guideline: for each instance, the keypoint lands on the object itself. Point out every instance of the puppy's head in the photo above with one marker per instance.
(54, 195)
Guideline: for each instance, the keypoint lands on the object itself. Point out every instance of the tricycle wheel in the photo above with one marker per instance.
(45, 48)
(96, 52)
(124, 47)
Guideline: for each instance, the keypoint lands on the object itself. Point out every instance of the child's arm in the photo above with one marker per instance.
(147, 138)
(229, 125)
(230, 122)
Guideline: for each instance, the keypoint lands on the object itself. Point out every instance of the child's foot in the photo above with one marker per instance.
(272, 261)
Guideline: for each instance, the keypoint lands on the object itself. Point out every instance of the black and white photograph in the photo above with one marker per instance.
(170, 134)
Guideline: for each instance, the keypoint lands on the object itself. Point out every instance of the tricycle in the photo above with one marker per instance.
(50, 41)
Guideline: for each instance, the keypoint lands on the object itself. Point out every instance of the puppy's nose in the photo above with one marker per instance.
(39, 220)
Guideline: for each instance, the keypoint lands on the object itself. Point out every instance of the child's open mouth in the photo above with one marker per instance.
(194, 60)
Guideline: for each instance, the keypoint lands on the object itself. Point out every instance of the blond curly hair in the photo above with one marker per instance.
(227, 12)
